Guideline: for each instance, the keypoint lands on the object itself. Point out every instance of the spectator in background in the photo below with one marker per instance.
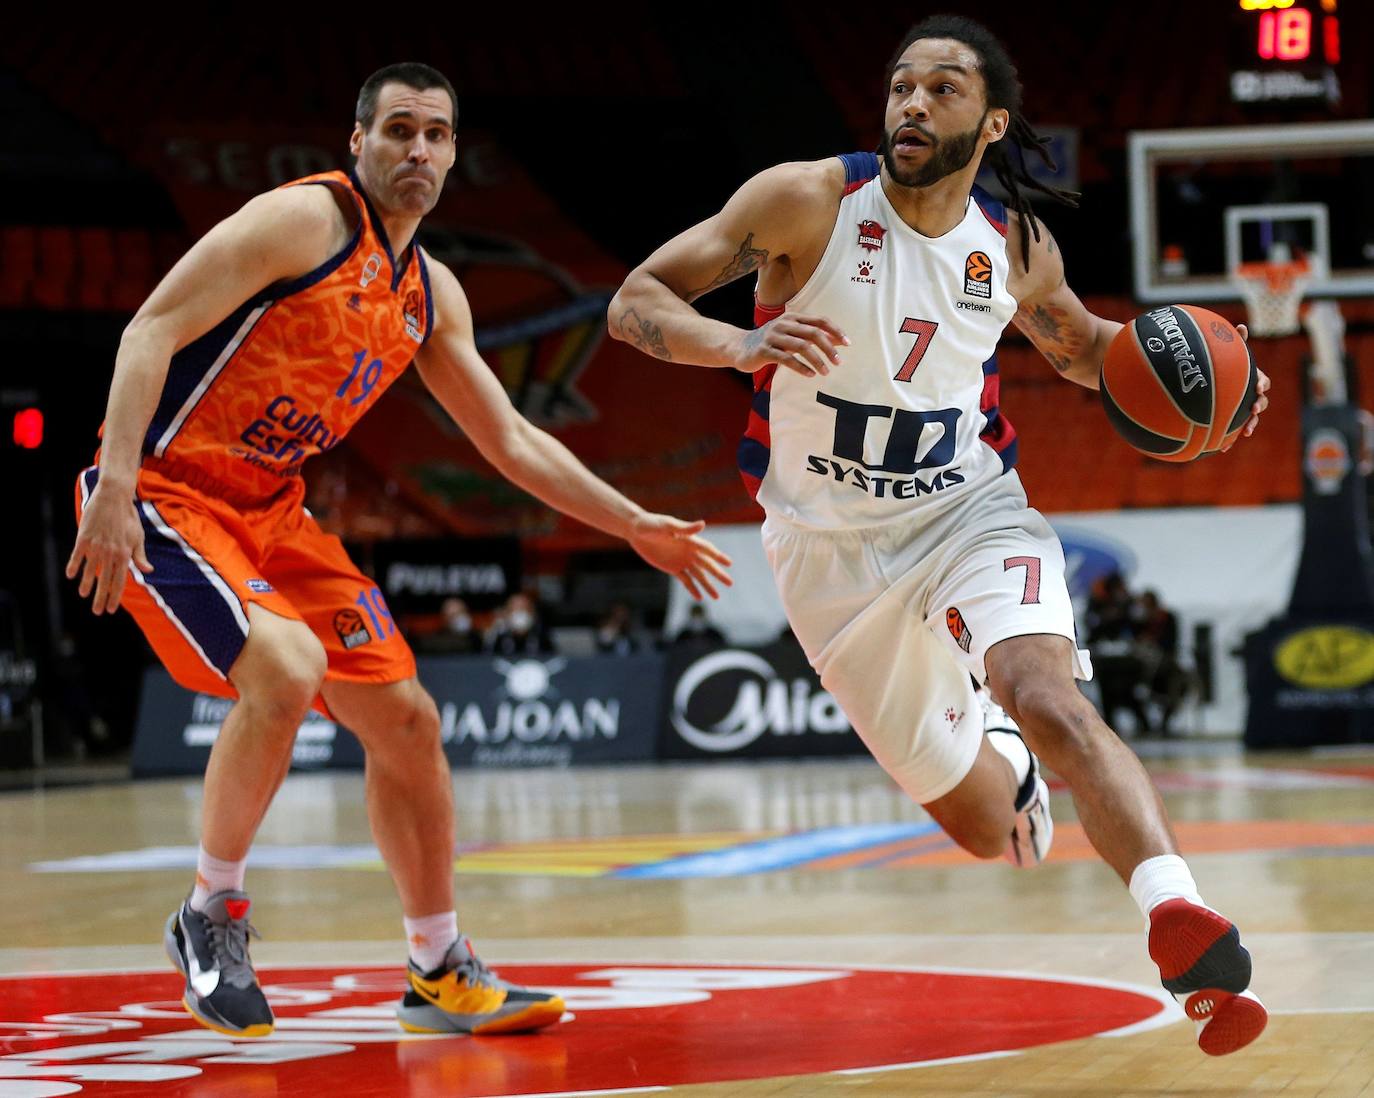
(1157, 647)
(698, 630)
(458, 633)
(615, 634)
(519, 630)
(1117, 667)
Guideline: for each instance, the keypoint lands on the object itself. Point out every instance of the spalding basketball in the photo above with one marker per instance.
(1178, 382)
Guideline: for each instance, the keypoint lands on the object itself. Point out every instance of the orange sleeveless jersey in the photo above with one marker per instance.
(290, 371)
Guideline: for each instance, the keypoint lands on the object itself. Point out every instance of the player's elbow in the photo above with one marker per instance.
(628, 303)
(149, 333)
(510, 448)
(621, 305)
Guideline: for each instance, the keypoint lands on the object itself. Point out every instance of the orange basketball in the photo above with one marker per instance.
(1178, 382)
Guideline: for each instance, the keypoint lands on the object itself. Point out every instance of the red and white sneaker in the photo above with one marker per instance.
(1202, 963)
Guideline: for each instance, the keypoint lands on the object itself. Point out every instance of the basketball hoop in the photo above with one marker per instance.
(1272, 291)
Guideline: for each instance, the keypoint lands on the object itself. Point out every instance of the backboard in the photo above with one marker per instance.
(1205, 200)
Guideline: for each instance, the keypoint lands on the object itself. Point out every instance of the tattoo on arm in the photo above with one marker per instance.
(644, 334)
(1047, 327)
(747, 258)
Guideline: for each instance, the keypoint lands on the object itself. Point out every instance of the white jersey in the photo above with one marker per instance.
(908, 423)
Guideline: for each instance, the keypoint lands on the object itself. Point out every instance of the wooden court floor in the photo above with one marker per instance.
(730, 929)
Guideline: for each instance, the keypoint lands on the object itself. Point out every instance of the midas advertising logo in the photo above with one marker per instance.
(630, 1027)
(760, 701)
(1329, 657)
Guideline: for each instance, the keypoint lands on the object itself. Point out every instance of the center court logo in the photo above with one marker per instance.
(124, 1034)
(759, 701)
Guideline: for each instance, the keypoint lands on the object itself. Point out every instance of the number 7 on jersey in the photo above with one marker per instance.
(924, 331)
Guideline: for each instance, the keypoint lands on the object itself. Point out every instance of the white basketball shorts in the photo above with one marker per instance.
(896, 618)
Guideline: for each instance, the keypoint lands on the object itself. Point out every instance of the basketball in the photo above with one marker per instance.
(1178, 382)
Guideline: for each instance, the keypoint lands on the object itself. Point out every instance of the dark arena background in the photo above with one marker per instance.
(668, 817)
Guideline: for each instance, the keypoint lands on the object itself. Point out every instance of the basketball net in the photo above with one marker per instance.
(1273, 291)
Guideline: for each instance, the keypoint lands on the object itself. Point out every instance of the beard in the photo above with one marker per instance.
(948, 155)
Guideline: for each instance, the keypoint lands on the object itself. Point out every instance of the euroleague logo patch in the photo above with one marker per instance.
(957, 628)
(410, 311)
(630, 1027)
(351, 629)
(978, 275)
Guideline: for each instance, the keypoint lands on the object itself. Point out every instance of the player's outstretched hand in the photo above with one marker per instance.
(109, 537)
(1261, 389)
(672, 546)
(806, 344)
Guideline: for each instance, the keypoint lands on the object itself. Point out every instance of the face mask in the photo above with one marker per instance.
(521, 620)
(460, 624)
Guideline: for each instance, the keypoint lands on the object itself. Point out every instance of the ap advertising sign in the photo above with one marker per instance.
(750, 703)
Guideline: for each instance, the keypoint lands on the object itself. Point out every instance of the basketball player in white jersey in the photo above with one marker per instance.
(904, 550)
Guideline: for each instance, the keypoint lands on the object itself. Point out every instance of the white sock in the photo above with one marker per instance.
(1166, 877)
(429, 938)
(1012, 748)
(215, 875)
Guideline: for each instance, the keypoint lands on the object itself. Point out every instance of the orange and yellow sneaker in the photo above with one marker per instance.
(464, 996)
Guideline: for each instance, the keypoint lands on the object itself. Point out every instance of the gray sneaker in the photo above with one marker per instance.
(464, 996)
(210, 949)
(1033, 831)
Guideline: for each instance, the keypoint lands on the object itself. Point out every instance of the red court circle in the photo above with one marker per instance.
(635, 1026)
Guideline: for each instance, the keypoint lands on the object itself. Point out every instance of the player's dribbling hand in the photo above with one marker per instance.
(805, 344)
(1261, 389)
(672, 546)
(109, 537)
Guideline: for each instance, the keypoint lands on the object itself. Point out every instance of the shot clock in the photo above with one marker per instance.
(1286, 51)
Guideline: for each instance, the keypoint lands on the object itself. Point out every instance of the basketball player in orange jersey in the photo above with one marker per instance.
(263, 346)
(901, 540)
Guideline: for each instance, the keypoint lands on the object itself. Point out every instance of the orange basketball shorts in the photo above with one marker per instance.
(212, 560)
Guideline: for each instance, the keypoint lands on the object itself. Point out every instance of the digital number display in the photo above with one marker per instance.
(1294, 31)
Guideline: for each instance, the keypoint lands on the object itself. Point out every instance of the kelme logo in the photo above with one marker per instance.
(1328, 657)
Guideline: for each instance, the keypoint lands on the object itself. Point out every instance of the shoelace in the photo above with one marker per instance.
(229, 947)
(474, 971)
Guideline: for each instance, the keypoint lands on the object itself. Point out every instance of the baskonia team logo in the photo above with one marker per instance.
(871, 235)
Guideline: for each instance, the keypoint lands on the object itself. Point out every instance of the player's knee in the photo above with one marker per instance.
(285, 675)
(1059, 724)
(422, 725)
(412, 729)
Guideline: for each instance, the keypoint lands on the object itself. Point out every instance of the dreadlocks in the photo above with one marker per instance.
(1003, 93)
